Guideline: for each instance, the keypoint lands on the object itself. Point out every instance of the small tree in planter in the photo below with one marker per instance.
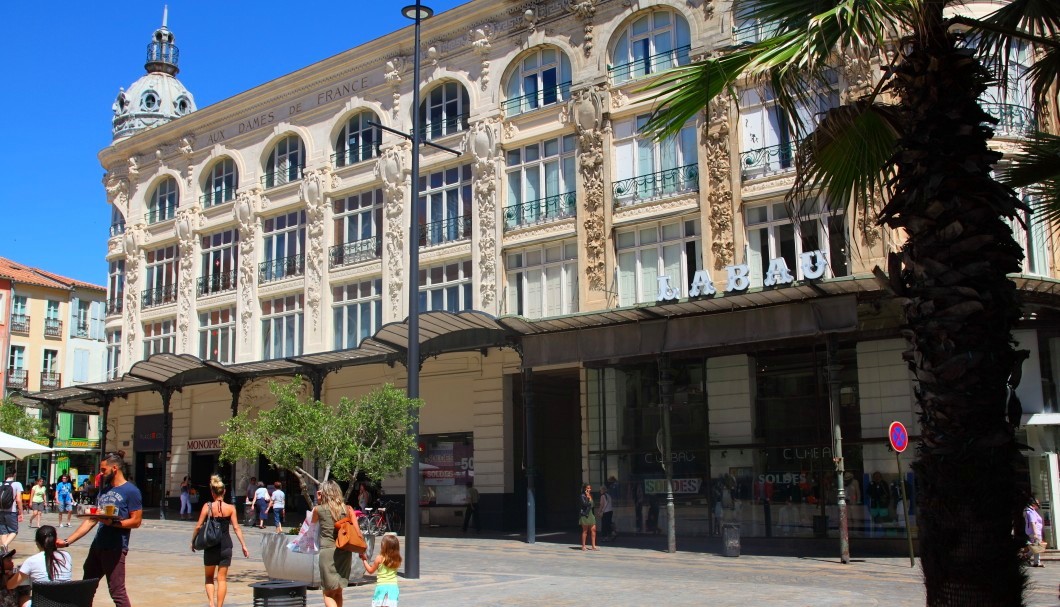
(16, 421)
(368, 435)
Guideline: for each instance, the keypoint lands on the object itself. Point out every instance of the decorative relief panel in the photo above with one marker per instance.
(480, 40)
(481, 142)
(117, 192)
(186, 224)
(584, 10)
(133, 239)
(245, 211)
(719, 183)
(392, 169)
(586, 111)
(857, 74)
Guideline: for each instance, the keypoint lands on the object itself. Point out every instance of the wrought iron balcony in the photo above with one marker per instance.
(160, 214)
(772, 160)
(50, 380)
(280, 177)
(649, 65)
(217, 283)
(446, 230)
(117, 229)
(116, 304)
(357, 251)
(1013, 120)
(353, 155)
(53, 327)
(81, 329)
(656, 185)
(19, 323)
(433, 129)
(216, 196)
(278, 269)
(756, 32)
(537, 99)
(17, 379)
(542, 210)
(159, 296)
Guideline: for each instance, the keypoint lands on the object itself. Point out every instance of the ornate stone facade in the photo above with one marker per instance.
(586, 111)
(313, 191)
(186, 225)
(716, 137)
(392, 170)
(481, 142)
(245, 212)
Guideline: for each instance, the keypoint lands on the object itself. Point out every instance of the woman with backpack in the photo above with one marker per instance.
(218, 558)
(586, 518)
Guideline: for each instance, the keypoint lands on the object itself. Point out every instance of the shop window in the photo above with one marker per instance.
(448, 466)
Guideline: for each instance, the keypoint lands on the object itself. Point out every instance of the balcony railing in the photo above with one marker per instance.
(433, 129)
(543, 210)
(49, 380)
(279, 177)
(756, 32)
(353, 155)
(1012, 119)
(17, 379)
(656, 185)
(216, 196)
(116, 304)
(649, 65)
(19, 323)
(774, 159)
(532, 101)
(53, 327)
(159, 296)
(160, 214)
(365, 249)
(279, 269)
(117, 229)
(446, 230)
(81, 329)
(217, 283)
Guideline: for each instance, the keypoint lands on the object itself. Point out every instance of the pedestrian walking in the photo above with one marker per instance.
(122, 511)
(385, 566)
(261, 504)
(185, 499)
(64, 499)
(471, 511)
(335, 564)
(49, 564)
(363, 496)
(38, 497)
(217, 559)
(606, 513)
(1033, 526)
(585, 515)
(277, 503)
(252, 513)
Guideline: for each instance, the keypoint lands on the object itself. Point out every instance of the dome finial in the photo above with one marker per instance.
(162, 54)
(165, 15)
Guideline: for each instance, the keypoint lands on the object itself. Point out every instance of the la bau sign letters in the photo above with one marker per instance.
(813, 265)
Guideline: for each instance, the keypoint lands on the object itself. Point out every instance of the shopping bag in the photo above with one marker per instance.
(308, 538)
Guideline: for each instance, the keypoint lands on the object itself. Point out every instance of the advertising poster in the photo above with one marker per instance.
(447, 466)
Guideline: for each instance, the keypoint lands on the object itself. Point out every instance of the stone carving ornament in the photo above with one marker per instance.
(482, 144)
(480, 40)
(719, 183)
(392, 170)
(857, 74)
(313, 191)
(133, 238)
(185, 225)
(585, 111)
(245, 213)
(584, 10)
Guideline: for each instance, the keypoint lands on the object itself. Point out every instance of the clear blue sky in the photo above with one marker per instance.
(61, 64)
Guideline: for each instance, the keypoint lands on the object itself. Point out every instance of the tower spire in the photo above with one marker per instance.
(162, 54)
(165, 15)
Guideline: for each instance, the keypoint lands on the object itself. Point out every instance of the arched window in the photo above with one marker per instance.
(655, 41)
(444, 110)
(221, 183)
(163, 202)
(543, 78)
(285, 162)
(357, 140)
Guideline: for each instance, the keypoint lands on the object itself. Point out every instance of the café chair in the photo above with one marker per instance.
(75, 593)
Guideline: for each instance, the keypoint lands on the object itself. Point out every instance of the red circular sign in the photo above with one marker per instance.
(898, 436)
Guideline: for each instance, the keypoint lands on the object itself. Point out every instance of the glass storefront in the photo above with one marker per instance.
(751, 443)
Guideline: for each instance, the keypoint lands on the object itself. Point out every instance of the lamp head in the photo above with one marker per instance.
(417, 12)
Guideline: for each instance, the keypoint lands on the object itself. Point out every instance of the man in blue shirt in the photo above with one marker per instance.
(106, 556)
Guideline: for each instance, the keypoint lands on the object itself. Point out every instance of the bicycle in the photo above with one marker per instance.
(377, 521)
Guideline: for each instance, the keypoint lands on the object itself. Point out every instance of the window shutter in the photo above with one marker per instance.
(80, 365)
(75, 304)
(96, 313)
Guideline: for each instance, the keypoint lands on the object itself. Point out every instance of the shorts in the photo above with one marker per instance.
(66, 504)
(386, 595)
(9, 522)
(277, 516)
(38, 506)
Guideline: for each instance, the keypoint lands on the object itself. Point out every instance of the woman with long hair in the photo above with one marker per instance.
(185, 499)
(385, 566)
(38, 497)
(48, 565)
(586, 518)
(335, 565)
(218, 558)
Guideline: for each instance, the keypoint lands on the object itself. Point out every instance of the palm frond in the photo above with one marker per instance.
(1045, 74)
(848, 156)
(1003, 32)
(1037, 169)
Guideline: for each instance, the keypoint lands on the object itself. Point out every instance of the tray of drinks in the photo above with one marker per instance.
(99, 516)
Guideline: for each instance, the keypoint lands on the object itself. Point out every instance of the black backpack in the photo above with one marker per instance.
(7, 495)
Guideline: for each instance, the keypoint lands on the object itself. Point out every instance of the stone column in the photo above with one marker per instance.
(586, 111)
(186, 226)
(316, 184)
(481, 142)
(132, 349)
(392, 169)
(245, 210)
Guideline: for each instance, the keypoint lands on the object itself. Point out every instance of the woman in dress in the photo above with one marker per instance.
(38, 494)
(335, 565)
(218, 558)
(585, 515)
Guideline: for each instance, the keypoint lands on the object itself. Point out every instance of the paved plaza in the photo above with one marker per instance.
(458, 570)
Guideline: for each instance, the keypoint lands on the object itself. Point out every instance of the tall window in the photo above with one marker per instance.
(1010, 98)
(358, 221)
(772, 233)
(285, 162)
(82, 318)
(160, 277)
(540, 182)
(162, 204)
(446, 287)
(444, 110)
(115, 286)
(221, 183)
(17, 358)
(220, 262)
(657, 41)
(649, 169)
(543, 281)
(217, 335)
(113, 354)
(748, 30)
(284, 246)
(444, 211)
(358, 312)
(19, 317)
(160, 337)
(53, 325)
(1032, 235)
(117, 222)
(543, 78)
(50, 377)
(357, 140)
(281, 327)
(649, 251)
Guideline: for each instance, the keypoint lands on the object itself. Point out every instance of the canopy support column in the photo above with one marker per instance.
(167, 396)
(530, 421)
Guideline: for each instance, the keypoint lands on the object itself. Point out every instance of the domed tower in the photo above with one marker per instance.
(157, 97)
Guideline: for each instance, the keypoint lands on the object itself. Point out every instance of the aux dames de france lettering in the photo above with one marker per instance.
(812, 263)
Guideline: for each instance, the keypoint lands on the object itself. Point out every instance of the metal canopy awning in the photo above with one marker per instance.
(444, 332)
(176, 370)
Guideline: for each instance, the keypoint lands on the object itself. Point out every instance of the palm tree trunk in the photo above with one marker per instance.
(960, 310)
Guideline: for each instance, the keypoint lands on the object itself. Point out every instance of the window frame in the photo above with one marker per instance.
(520, 173)
(651, 59)
(815, 211)
(446, 199)
(164, 200)
(521, 265)
(451, 102)
(356, 297)
(279, 167)
(160, 337)
(217, 331)
(436, 282)
(293, 311)
(221, 182)
(519, 99)
(344, 151)
(645, 287)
